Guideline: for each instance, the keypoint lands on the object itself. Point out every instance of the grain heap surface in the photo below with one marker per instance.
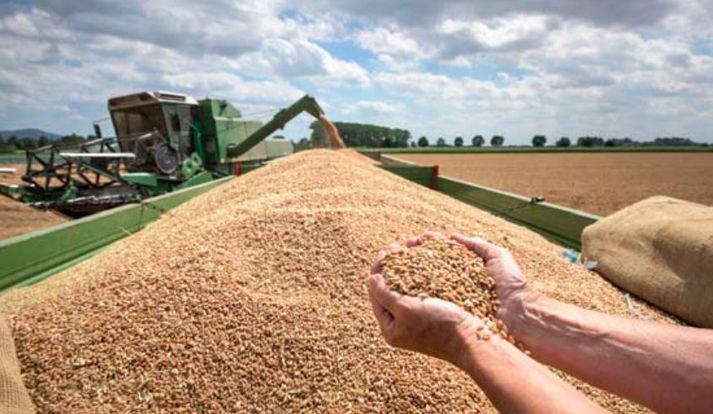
(253, 298)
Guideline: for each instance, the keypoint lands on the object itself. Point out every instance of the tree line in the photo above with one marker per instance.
(586, 141)
(476, 141)
(362, 135)
(375, 136)
(594, 141)
(13, 143)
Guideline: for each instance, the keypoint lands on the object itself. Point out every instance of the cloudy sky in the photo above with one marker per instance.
(638, 68)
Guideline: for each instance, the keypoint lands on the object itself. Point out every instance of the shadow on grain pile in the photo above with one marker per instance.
(252, 297)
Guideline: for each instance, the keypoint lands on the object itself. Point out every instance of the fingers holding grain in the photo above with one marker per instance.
(486, 250)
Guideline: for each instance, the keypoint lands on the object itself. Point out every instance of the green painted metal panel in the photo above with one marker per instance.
(200, 178)
(561, 224)
(224, 126)
(40, 254)
(424, 175)
(145, 179)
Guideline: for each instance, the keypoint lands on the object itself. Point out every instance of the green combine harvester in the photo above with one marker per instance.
(164, 142)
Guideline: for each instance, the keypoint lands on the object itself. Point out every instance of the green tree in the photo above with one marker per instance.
(441, 142)
(423, 142)
(539, 141)
(478, 141)
(303, 144)
(590, 141)
(563, 142)
(497, 140)
(43, 141)
(363, 135)
(28, 143)
(14, 142)
(458, 142)
(6, 146)
(72, 139)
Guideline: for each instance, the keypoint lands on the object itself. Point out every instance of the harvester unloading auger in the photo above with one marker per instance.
(164, 141)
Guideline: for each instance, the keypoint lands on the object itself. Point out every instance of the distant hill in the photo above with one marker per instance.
(29, 133)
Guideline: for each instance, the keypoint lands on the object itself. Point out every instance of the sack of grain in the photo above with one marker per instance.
(660, 249)
(14, 398)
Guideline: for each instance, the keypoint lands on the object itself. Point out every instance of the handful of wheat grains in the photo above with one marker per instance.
(445, 269)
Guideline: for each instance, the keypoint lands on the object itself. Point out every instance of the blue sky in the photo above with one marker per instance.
(641, 68)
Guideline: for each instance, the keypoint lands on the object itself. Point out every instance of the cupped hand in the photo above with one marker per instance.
(430, 326)
(439, 328)
(510, 283)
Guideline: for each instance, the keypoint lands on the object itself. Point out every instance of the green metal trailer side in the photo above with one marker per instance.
(560, 224)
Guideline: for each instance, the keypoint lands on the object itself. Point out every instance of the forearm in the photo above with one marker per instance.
(667, 368)
(515, 383)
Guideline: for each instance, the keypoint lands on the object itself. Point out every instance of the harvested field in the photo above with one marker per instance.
(11, 178)
(252, 298)
(597, 183)
(17, 218)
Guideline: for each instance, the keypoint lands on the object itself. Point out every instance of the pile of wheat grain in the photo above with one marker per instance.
(252, 298)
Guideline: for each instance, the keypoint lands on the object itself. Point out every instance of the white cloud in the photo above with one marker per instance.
(373, 107)
(232, 87)
(382, 40)
(439, 68)
(500, 34)
(301, 59)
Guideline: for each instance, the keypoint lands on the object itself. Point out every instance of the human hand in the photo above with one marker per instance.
(510, 283)
(430, 326)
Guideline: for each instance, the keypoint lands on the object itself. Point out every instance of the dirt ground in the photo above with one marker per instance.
(597, 183)
(10, 178)
(17, 218)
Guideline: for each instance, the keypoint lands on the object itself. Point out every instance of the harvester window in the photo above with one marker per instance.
(175, 122)
(180, 119)
(138, 120)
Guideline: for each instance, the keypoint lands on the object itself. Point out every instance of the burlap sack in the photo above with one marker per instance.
(660, 249)
(14, 398)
